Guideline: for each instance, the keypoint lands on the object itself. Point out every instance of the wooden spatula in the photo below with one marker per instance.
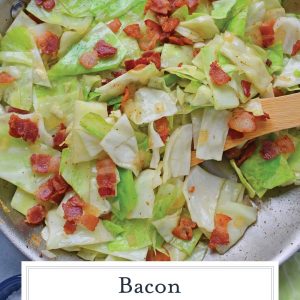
(284, 114)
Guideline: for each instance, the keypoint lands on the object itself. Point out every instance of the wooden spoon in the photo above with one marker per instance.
(284, 114)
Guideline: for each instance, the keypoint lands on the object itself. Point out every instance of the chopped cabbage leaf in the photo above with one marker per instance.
(22, 201)
(201, 191)
(177, 158)
(173, 55)
(69, 65)
(150, 105)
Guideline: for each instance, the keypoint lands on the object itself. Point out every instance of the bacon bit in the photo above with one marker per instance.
(89, 59)
(147, 58)
(70, 227)
(105, 50)
(48, 43)
(133, 31)
(115, 25)
(19, 111)
(278, 92)
(181, 41)
(242, 121)
(149, 40)
(170, 24)
(129, 94)
(60, 137)
(162, 128)
(268, 63)
(152, 26)
(285, 144)
(220, 235)
(184, 230)
(235, 135)
(192, 189)
(296, 48)
(48, 5)
(117, 74)
(162, 7)
(156, 256)
(192, 5)
(6, 78)
(89, 221)
(246, 85)
(107, 216)
(196, 52)
(44, 163)
(217, 75)
(23, 128)
(52, 190)
(269, 150)
(267, 32)
(73, 209)
(106, 178)
(246, 152)
(35, 215)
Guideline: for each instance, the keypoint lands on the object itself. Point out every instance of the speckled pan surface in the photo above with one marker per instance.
(276, 235)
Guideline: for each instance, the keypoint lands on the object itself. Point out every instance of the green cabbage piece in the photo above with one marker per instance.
(69, 65)
(173, 55)
(137, 235)
(56, 104)
(59, 16)
(19, 93)
(15, 166)
(264, 175)
(169, 199)
(275, 55)
(113, 228)
(77, 175)
(126, 194)
(22, 201)
(117, 86)
(14, 57)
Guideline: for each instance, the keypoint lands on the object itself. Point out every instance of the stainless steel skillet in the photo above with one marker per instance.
(276, 235)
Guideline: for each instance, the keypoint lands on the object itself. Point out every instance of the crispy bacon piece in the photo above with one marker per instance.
(162, 128)
(217, 75)
(60, 137)
(240, 155)
(247, 151)
(269, 150)
(44, 163)
(133, 31)
(278, 92)
(117, 74)
(115, 25)
(105, 50)
(48, 5)
(246, 85)
(162, 7)
(35, 215)
(6, 78)
(147, 58)
(235, 135)
(181, 41)
(220, 234)
(196, 52)
(192, 5)
(52, 190)
(89, 221)
(184, 230)
(107, 216)
(19, 111)
(175, 4)
(156, 256)
(107, 178)
(73, 209)
(23, 128)
(48, 43)
(128, 94)
(242, 121)
(268, 33)
(296, 48)
(169, 24)
(89, 59)
(153, 26)
(285, 144)
(149, 40)
(70, 227)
